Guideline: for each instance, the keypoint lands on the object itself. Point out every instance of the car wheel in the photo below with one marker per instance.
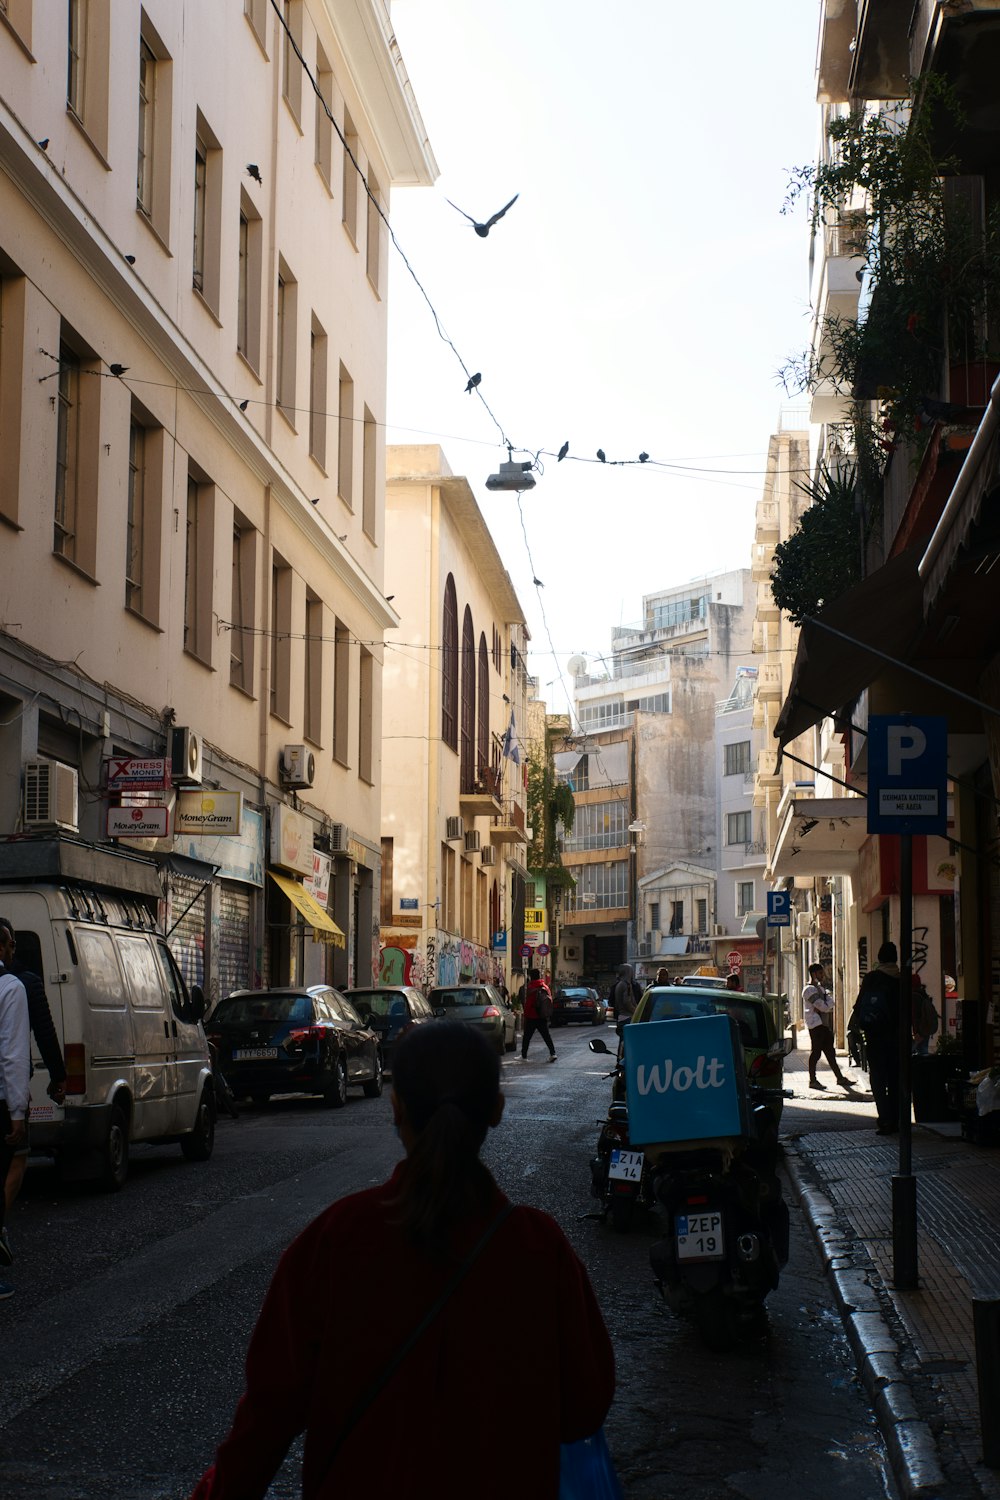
(373, 1088)
(114, 1162)
(335, 1085)
(198, 1145)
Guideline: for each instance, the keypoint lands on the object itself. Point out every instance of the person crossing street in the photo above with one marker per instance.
(817, 1011)
(537, 1012)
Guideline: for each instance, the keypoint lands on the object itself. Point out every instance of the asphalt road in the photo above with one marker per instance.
(121, 1353)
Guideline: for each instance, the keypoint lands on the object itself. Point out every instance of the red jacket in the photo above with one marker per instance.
(536, 988)
(347, 1293)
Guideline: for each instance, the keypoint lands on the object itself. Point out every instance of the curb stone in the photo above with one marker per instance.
(909, 1439)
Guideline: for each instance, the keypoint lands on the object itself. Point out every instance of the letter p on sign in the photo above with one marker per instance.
(903, 742)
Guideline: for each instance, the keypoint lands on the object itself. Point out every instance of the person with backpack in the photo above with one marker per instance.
(537, 1014)
(925, 1019)
(876, 1018)
(626, 994)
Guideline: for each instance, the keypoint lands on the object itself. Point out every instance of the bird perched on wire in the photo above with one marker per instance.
(254, 171)
(644, 458)
(244, 404)
(118, 370)
(538, 583)
(483, 229)
(600, 454)
(562, 453)
(473, 382)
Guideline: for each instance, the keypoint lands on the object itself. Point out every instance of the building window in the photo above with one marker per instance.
(449, 665)
(369, 475)
(207, 214)
(597, 825)
(256, 12)
(200, 190)
(341, 692)
(13, 295)
(467, 751)
(281, 639)
(386, 904)
(654, 916)
(600, 886)
(497, 650)
(324, 117)
(744, 897)
(736, 758)
(598, 716)
(198, 568)
(680, 612)
(135, 523)
(483, 714)
(285, 340)
(446, 909)
(349, 182)
(147, 115)
(345, 438)
(373, 256)
(67, 453)
(76, 56)
(243, 607)
(676, 918)
(317, 392)
(88, 65)
(248, 284)
(366, 714)
(291, 73)
(738, 828)
(701, 915)
(312, 715)
(17, 14)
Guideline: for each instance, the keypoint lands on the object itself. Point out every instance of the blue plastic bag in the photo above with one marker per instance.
(586, 1471)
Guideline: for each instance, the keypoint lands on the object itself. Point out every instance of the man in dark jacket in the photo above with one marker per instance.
(876, 1017)
(44, 1032)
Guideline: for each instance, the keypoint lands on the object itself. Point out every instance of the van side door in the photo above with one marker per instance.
(190, 1048)
(155, 1071)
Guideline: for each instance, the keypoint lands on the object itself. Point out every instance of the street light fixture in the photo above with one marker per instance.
(513, 476)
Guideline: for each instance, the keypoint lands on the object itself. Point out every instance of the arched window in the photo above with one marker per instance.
(467, 749)
(483, 713)
(449, 666)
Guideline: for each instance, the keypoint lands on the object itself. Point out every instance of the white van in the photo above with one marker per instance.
(137, 1063)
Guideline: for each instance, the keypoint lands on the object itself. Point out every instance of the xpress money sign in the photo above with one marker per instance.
(684, 1079)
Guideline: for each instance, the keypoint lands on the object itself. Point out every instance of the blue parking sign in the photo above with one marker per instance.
(907, 774)
(684, 1079)
(779, 908)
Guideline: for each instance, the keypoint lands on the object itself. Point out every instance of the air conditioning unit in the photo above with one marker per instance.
(185, 756)
(50, 795)
(488, 856)
(297, 766)
(803, 925)
(787, 940)
(645, 948)
(338, 838)
(472, 841)
(718, 930)
(455, 830)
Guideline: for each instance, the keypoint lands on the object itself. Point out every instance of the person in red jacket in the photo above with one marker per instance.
(360, 1280)
(537, 1011)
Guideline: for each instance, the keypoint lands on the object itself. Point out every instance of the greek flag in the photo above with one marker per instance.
(511, 749)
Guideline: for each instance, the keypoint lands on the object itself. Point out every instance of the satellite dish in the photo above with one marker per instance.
(576, 666)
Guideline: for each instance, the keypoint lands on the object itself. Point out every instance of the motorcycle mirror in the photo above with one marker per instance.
(597, 1044)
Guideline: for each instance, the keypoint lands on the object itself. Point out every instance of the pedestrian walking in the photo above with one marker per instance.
(537, 1014)
(15, 1064)
(424, 1346)
(876, 1018)
(924, 1018)
(817, 1011)
(41, 1027)
(626, 994)
(733, 981)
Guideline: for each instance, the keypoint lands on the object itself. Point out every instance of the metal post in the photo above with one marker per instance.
(986, 1324)
(904, 1184)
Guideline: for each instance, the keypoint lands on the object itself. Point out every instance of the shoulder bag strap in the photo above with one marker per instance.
(382, 1379)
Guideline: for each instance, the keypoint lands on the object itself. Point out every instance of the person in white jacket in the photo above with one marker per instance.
(817, 1012)
(15, 1072)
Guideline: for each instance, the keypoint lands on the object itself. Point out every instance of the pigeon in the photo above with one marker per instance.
(244, 404)
(43, 144)
(473, 382)
(483, 229)
(538, 583)
(389, 598)
(118, 370)
(562, 452)
(130, 259)
(644, 458)
(254, 171)
(600, 454)
(316, 501)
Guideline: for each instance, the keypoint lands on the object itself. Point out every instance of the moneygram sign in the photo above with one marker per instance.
(208, 812)
(684, 1079)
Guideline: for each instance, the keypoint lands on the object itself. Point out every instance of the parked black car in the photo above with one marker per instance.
(390, 1010)
(308, 1040)
(578, 1002)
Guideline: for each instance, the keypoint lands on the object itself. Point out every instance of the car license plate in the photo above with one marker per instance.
(254, 1054)
(626, 1166)
(699, 1236)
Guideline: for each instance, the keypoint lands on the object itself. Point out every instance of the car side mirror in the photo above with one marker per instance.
(598, 1044)
(197, 1006)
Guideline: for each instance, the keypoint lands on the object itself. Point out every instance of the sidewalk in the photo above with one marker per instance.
(915, 1349)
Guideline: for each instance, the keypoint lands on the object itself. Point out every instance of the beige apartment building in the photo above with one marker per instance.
(454, 725)
(192, 397)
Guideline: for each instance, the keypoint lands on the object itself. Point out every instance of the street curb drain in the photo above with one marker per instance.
(908, 1437)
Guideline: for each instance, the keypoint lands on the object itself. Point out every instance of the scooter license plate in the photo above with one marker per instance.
(699, 1236)
(626, 1166)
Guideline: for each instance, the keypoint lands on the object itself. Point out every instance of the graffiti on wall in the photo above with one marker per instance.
(441, 962)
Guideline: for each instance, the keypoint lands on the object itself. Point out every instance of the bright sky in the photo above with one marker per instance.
(640, 295)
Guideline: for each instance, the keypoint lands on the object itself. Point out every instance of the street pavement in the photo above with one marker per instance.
(915, 1349)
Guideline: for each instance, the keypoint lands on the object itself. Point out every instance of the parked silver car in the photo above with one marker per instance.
(482, 1006)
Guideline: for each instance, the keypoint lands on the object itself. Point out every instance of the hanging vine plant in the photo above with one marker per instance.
(822, 557)
(550, 803)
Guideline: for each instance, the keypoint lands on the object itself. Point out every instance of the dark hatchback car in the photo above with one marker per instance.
(294, 1041)
(390, 1010)
(578, 1002)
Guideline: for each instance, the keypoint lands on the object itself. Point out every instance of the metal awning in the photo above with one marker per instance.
(885, 611)
(317, 918)
(979, 474)
(566, 761)
(820, 836)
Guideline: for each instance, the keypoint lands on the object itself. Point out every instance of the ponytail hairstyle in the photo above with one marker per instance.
(447, 1077)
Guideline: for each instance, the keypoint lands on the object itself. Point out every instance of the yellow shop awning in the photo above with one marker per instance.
(319, 920)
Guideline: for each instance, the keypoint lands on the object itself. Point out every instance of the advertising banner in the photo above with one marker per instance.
(684, 1080)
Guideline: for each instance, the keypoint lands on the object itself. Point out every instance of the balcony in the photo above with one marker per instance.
(767, 521)
(763, 637)
(761, 561)
(767, 612)
(478, 798)
(881, 65)
(767, 772)
(769, 684)
(509, 826)
(836, 33)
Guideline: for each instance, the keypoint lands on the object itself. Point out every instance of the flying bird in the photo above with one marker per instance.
(254, 171)
(644, 458)
(600, 454)
(118, 370)
(483, 229)
(562, 452)
(43, 144)
(473, 382)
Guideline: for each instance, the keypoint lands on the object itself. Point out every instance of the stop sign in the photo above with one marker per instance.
(734, 958)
